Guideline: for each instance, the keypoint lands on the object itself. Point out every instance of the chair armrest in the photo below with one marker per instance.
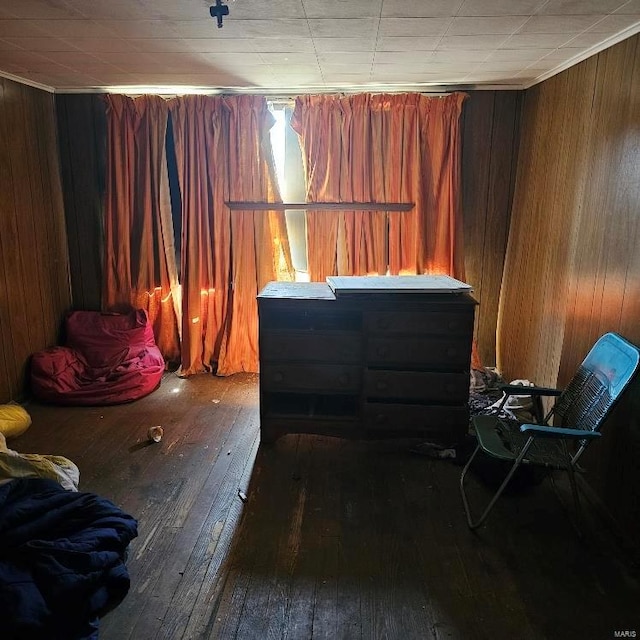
(558, 432)
(521, 390)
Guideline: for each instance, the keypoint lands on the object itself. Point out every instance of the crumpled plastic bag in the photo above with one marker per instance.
(518, 407)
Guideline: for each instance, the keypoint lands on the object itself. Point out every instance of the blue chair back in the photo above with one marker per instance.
(601, 378)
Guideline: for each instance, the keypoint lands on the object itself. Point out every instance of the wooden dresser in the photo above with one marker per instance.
(365, 361)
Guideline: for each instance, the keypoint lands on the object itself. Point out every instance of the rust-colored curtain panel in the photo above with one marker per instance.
(382, 148)
(199, 139)
(140, 266)
(223, 153)
(259, 244)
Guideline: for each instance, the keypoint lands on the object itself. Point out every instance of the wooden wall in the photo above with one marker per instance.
(82, 132)
(489, 152)
(34, 271)
(572, 268)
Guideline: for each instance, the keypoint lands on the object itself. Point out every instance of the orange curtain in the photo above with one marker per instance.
(223, 153)
(198, 132)
(140, 267)
(382, 148)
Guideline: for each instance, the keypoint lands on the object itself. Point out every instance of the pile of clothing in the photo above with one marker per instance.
(62, 560)
(62, 552)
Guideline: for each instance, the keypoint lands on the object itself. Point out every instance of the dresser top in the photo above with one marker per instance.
(370, 291)
(298, 290)
(397, 284)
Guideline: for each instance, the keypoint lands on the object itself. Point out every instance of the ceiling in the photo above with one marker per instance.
(297, 46)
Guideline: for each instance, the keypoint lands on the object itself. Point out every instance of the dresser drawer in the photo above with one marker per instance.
(309, 377)
(311, 346)
(419, 322)
(416, 418)
(418, 386)
(313, 316)
(430, 352)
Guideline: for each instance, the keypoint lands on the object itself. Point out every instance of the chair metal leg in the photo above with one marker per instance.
(498, 493)
(576, 517)
(465, 502)
(574, 487)
(576, 501)
(574, 490)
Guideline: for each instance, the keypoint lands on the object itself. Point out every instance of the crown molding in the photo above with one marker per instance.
(587, 53)
(29, 83)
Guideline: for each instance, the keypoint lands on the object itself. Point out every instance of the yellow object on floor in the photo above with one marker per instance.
(14, 420)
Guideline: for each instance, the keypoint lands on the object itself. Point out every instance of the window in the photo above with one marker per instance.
(290, 171)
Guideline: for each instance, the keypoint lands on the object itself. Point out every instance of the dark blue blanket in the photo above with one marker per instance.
(62, 560)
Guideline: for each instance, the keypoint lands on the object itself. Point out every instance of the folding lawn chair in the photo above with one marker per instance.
(577, 414)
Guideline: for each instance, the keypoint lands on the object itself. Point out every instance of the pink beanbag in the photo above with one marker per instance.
(109, 358)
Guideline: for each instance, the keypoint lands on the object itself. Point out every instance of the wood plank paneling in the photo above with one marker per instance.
(34, 286)
(82, 130)
(15, 191)
(573, 266)
(489, 151)
(8, 374)
(547, 201)
(56, 236)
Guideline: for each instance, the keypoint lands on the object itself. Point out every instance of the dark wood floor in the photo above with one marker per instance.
(336, 539)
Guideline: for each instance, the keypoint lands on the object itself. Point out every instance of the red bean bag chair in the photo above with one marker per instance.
(109, 358)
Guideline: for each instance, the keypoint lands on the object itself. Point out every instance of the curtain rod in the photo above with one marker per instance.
(276, 98)
(290, 98)
(320, 206)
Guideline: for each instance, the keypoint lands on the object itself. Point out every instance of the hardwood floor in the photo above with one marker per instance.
(336, 539)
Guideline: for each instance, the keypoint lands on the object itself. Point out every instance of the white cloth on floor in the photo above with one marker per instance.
(33, 465)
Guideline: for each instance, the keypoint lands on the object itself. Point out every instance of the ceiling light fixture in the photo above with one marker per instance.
(218, 11)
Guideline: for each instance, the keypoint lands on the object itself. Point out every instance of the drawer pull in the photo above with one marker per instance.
(382, 385)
